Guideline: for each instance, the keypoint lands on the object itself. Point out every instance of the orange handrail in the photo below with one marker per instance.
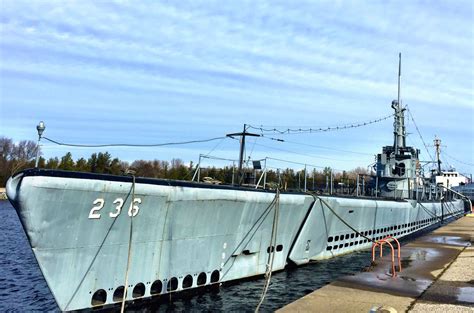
(398, 251)
(380, 243)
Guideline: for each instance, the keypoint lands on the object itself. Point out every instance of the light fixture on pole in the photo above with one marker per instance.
(40, 128)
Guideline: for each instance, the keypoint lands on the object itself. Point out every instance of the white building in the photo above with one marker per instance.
(451, 179)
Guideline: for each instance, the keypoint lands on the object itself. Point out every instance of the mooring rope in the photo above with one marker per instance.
(131, 210)
(95, 256)
(259, 221)
(272, 247)
(427, 211)
(337, 215)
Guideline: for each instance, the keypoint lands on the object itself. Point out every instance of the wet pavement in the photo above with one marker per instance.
(437, 275)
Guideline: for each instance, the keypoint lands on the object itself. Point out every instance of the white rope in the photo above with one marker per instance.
(129, 247)
(271, 256)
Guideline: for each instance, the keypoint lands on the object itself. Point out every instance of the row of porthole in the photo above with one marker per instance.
(350, 244)
(272, 248)
(378, 231)
(100, 296)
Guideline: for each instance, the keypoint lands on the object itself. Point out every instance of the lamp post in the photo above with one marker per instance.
(40, 128)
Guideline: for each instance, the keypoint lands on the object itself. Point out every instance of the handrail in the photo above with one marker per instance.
(455, 192)
(264, 172)
(380, 243)
(398, 251)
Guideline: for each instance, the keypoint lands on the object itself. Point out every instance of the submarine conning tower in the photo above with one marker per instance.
(397, 165)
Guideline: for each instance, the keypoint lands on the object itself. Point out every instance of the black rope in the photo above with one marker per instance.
(264, 130)
(253, 229)
(433, 215)
(316, 146)
(419, 134)
(459, 161)
(132, 145)
(315, 197)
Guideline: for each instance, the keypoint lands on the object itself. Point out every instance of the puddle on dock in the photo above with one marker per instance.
(466, 294)
(407, 278)
(447, 240)
(421, 254)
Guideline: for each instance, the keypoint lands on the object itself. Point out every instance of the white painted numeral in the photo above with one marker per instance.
(118, 208)
(133, 211)
(98, 204)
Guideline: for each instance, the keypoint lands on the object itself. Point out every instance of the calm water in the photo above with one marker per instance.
(24, 288)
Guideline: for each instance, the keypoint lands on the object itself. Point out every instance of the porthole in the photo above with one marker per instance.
(99, 297)
(201, 280)
(187, 281)
(118, 294)
(352, 235)
(330, 239)
(329, 248)
(346, 244)
(336, 238)
(172, 284)
(351, 244)
(279, 248)
(156, 287)
(138, 290)
(340, 246)
(347, 236)
(215, 276)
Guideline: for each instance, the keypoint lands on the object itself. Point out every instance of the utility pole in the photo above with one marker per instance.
(243, 134)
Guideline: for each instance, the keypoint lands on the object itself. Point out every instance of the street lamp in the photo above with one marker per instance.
(40, 128)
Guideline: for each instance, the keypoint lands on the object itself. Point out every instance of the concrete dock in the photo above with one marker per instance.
(437, 276)
(3, 194)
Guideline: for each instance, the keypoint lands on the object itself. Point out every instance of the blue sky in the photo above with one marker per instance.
(150, 72)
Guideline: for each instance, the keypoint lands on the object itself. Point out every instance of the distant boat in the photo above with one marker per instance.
(96, 236)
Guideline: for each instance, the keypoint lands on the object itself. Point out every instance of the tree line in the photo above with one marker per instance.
(15, 157)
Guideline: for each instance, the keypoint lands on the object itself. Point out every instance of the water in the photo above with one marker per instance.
(24, 288)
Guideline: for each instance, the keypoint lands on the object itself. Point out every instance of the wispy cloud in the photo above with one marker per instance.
(188, 68)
